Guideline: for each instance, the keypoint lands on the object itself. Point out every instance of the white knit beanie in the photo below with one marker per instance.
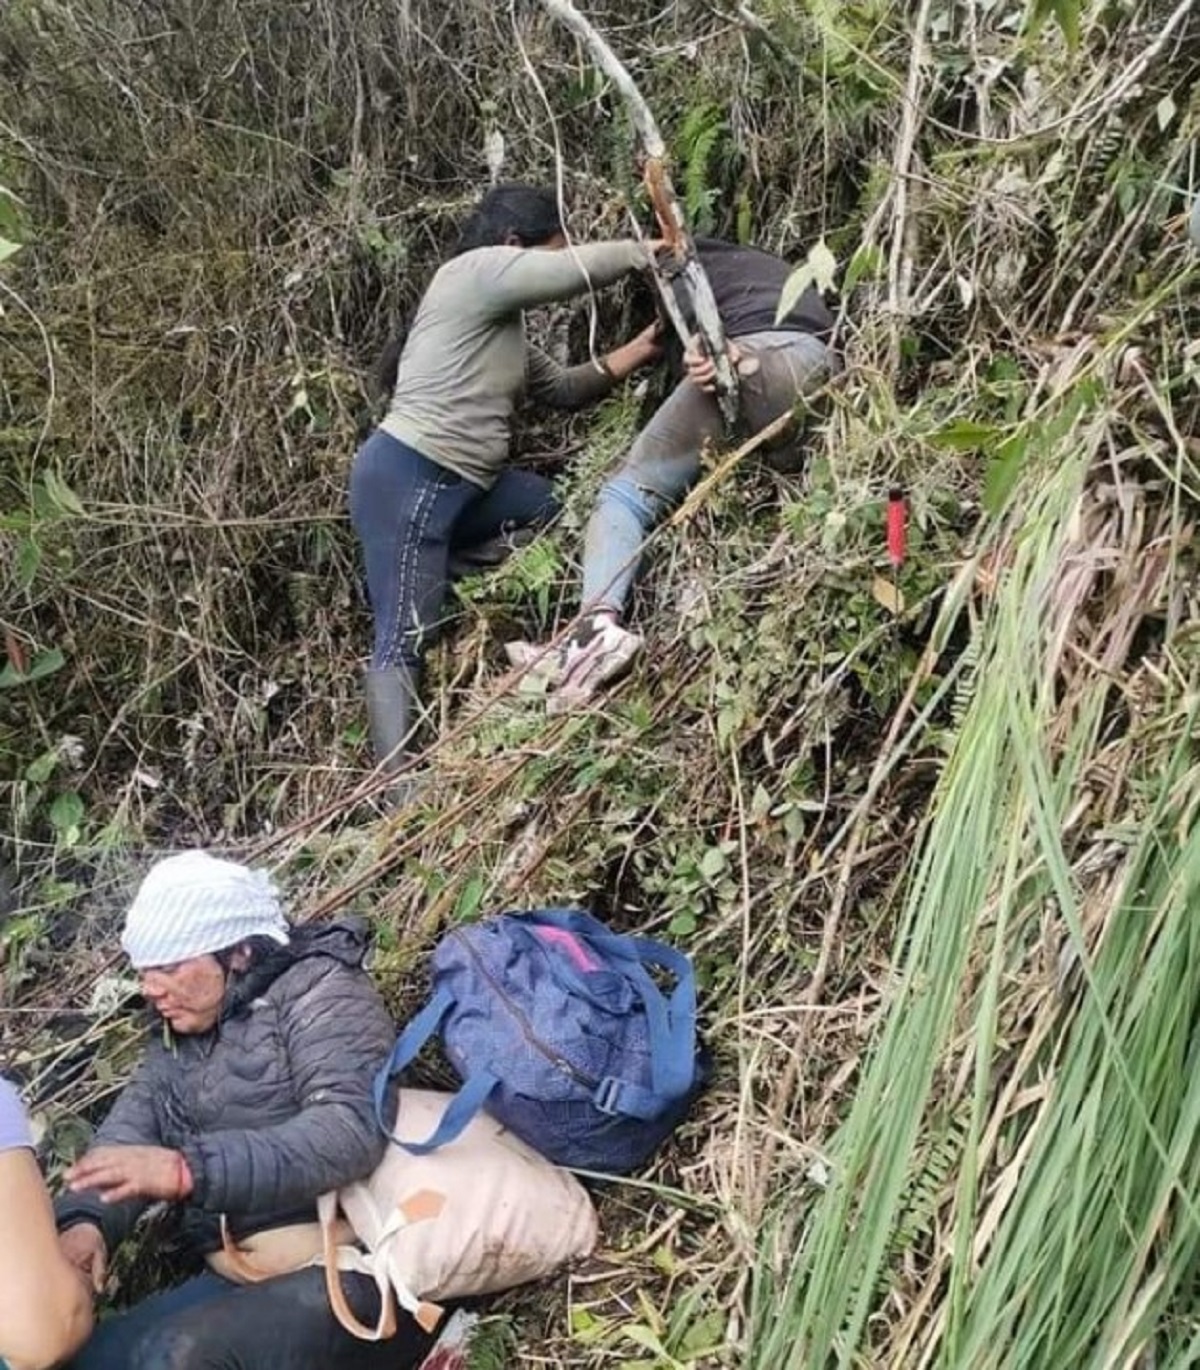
(195, 903)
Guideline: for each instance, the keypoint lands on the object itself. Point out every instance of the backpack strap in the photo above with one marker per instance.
(670, 1020)
(465, 1104)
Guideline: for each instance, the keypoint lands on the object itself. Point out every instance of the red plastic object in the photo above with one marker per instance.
(897, 527)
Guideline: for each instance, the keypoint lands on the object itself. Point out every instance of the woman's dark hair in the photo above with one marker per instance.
(515, 210)
(259, 949)
(384, 377)
(267, 959)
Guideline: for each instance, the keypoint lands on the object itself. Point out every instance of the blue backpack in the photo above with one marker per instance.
(555, 1025)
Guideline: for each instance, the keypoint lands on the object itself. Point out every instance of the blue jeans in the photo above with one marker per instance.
(208, 1323)
(667, 458)
(409, 514)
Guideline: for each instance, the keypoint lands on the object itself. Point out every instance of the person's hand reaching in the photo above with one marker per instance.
(132, 1172)
(642, 349)
(700, 367)
(648, 344)
(83, 1246)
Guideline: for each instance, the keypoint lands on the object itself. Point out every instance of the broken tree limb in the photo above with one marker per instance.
(682, 283)
(614, 69)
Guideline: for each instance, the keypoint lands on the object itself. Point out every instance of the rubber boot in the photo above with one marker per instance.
(392, 714)
(487, 555)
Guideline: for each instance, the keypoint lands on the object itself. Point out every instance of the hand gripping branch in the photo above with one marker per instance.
(683, 286)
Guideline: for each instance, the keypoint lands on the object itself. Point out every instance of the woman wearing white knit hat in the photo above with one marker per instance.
(255, 1099)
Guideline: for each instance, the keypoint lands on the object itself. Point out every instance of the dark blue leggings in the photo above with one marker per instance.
(409, 513)
(208, 1323)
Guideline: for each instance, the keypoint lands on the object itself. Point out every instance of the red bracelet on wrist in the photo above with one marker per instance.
(186, 1182)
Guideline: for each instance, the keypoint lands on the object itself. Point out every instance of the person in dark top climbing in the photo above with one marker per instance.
(433, 479)
(777, 362)
(253, 1097)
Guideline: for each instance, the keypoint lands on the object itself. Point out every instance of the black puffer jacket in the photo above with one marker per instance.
(270, 1108)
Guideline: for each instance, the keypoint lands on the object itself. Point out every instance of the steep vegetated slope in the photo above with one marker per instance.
(930, 839)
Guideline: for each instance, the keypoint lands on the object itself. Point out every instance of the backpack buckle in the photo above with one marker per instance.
(607, 1097)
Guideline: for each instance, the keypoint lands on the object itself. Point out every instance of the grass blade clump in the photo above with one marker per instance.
(1066, 1232)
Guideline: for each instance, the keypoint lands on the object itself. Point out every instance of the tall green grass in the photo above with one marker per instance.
(1043, 1019)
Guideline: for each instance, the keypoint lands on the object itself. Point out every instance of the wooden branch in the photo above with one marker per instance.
(611, 65)
(685, 275)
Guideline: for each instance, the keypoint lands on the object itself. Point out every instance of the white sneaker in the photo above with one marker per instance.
(536, 659)
(598, 651)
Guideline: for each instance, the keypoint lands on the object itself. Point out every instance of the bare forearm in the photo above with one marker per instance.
(45, 1306)
(64, 1323)
(575, 386)
(623, 361)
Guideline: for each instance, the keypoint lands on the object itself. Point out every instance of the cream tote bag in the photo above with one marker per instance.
(483, 1213)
